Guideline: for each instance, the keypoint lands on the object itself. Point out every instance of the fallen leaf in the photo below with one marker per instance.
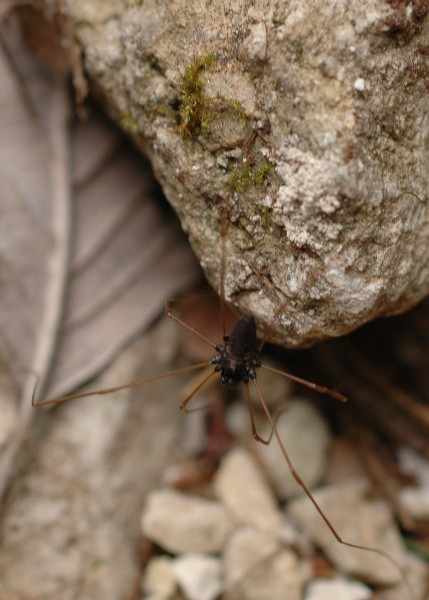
(34, 232)
(65, 315)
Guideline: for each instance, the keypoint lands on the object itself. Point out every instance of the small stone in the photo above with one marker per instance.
(359, 84)
(306, 438)
(416, 502)
(339, 589)
(159, 579)
(242, 488)
(181, 523)
(199, 576)
(258, 568)
(415, 465)
(417, 571)
(359, 521)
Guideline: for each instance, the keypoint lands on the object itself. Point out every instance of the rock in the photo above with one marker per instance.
(416, 502)
(415, 499)
(417, 580)
(307, 440)
(241, 487)
(258, 568)
(159, 578)
(315, 146)
(414, 464)
(181, 523)
(199, 576)
(340, 589)
(359, 521)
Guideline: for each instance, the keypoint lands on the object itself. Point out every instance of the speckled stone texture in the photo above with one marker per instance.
(305, 124)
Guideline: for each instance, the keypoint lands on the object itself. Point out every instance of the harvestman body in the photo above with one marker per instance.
(238, 357)
(236, 360)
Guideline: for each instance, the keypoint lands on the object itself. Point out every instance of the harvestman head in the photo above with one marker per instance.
(236, 360)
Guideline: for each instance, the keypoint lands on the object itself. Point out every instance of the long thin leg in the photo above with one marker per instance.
(223, 228)
(195, 391)
(271, 292)
(117, 388)
(321, 389)
(255, 434)
(170, 315)
(401, 571)
(281, 306)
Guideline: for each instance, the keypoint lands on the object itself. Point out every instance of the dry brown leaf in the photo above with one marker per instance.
(34, 233)
(128, 253)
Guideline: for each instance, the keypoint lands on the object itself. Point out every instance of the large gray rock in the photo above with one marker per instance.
(327, 198)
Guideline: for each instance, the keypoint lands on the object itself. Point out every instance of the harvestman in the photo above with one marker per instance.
(236, 359)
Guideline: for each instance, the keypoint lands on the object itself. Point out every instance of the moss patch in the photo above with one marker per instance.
(196, 111)
(246, 176)
(129, 123)
(298, 49)
(193, 113)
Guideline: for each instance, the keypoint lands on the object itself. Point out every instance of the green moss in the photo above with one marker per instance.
(96, 563)
(266, 217)
(246, 176)
(298, 48)
(262, 172)
(392, 133)
(130, 123)
(255, 71)
(196, 111)
(244, 223)
(240, 179)
(238, 109)
(193, 113)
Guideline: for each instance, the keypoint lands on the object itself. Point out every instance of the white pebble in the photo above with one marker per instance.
(241, 486)
(416, 502)
(159, 579)
(258, 568)
(339, 589)
(181, 523)
(359, 84)
(414, 464)
(307, 440)
(199, 576)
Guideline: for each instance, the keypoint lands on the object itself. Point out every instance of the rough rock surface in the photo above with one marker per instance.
(165, 521)
(257, 568)
(305, 123)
